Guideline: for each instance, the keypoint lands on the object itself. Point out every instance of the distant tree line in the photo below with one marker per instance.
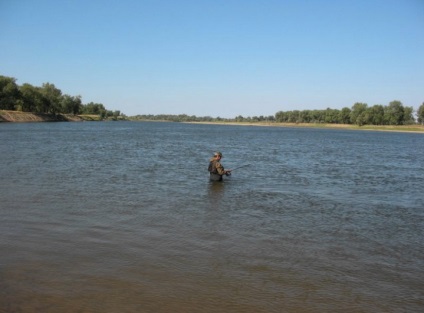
(193, 118)
(49, 99)
(360, 114)
(46, 99)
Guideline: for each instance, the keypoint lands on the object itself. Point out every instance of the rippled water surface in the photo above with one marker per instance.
(121, 217)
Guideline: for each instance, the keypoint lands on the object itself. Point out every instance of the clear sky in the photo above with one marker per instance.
(218, 57)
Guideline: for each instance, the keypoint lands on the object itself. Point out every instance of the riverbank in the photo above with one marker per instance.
(27, 117)
(393, 128)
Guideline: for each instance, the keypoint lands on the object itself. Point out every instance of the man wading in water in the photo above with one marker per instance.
(216, 169)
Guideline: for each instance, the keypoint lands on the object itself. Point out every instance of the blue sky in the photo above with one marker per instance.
(218, 58)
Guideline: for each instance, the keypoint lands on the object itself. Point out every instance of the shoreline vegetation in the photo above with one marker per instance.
(30, 117)
(46, 103)
(392, 128)
(27, 117)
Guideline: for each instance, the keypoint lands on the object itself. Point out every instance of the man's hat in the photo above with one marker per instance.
(218, 153)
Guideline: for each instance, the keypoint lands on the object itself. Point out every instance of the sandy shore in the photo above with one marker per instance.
(22, 117)
(404, 128)
(28, 117)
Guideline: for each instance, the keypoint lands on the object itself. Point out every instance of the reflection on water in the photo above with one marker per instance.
(122, 217)
(215, 191)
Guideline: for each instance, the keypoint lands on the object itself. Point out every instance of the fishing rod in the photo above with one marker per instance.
(239, 167)
(229, 171)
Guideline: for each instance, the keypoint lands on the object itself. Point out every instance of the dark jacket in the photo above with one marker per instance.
(216, 170)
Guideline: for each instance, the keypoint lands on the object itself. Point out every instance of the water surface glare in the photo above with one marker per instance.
(121, 217)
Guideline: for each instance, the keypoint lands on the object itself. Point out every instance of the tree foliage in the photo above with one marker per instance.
(9, 93)
(360, 114)
(49, 99)
(46, 99)
(420, 114)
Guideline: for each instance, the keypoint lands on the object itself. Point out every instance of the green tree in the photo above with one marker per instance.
(394, 113)
(305, 116)
(357, 115)
(280, 117)
(32, 99)
(9, 93)
(71, 105)
(376, 115)
(239, 118)
(271, 118)
(420, 114)
(408, 116)
(332, 116)
(53, 96)
(344, 116)
(317, 116)
(94, 108)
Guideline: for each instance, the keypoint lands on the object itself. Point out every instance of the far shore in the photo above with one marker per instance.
(29, 117)
(26, 117)
(389, 128)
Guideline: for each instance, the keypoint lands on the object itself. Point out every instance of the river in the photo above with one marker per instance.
(121, 217)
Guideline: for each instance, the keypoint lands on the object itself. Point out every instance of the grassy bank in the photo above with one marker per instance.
(16, 116)
(402, 128)
(25, 117)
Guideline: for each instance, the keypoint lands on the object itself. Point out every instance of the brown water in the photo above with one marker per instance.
(121, 217)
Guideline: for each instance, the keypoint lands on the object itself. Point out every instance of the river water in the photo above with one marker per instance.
(121, 217)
